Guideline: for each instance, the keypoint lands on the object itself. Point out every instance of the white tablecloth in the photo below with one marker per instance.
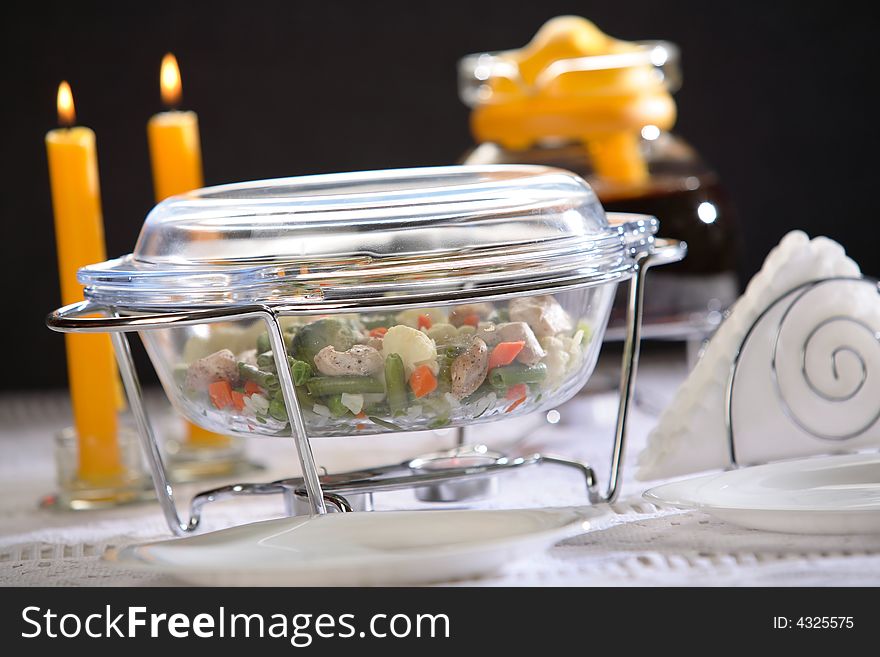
(635, 544)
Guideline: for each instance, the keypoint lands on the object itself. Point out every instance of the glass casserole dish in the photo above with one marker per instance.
(407, 299)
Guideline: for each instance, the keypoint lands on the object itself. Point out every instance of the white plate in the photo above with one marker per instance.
(357, 549)
(822, 495)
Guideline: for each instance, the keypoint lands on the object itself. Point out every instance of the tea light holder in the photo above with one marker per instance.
(73, 494)
(188, 463)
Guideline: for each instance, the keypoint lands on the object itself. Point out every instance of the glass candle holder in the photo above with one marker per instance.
(199, 460)
(132, 485)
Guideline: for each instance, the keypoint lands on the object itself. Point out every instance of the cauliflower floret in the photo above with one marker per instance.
(556, 360)
(564, 355)
(414, 348)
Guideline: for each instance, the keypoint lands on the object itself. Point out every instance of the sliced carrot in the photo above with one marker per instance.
(424, 322)
(422, 381)
(514, 404)
(518, 391)
(361, 415)
(238, 400)
(472, 320)
(252, 388)
(504, 353)
(378, 332)
(360, 427)
(220, 393)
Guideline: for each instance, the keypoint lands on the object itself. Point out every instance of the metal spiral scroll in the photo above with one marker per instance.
(825, 358)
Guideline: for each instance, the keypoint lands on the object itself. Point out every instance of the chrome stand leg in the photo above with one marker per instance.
(583, 469)
(629, 368)
(289, 503)
(164, 491)
(294, 416)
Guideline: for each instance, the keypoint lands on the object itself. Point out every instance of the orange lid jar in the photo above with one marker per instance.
(578, 99)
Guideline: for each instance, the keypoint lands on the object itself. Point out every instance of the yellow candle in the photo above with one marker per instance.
(175, 149)
(176, 158)
(79, 233)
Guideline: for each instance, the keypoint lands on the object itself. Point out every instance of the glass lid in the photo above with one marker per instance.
(348, 237)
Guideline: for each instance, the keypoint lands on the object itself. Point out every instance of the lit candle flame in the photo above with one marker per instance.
(66, 111)
(169, 81)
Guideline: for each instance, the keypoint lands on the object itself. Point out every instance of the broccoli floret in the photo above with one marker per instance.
(311, 338)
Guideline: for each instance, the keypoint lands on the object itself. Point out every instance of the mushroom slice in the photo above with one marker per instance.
(543, 314)
(469, 370)
(359, 360)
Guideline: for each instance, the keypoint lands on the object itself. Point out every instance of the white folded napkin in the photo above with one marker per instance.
(691, 434)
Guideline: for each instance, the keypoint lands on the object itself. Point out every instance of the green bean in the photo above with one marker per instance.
(266, 380)
(377, 408)
(439, 422)
(334, 403)
(385, 423)
(277, 407)
(306, 401)
(266, 361)
(395, 381)
(444, 374)
(321, 386)
(510, 375)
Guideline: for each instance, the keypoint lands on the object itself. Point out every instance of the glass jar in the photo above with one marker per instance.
(577, 99)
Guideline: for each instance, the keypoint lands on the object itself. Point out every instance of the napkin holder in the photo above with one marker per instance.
(816, 375)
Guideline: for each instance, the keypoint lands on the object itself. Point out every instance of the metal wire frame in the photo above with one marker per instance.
(89, 317)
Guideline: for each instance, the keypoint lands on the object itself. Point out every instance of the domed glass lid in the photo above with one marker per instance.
(369, 234)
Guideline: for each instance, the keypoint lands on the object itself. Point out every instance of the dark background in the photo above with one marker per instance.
(778, 96)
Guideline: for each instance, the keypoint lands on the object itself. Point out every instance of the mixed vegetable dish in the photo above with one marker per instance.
(412, 370)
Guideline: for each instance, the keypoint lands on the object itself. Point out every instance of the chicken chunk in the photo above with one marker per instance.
(219, 366)
(375, 342)
(532, 351)
(360, 360)
(469, 370)
(543, 314)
